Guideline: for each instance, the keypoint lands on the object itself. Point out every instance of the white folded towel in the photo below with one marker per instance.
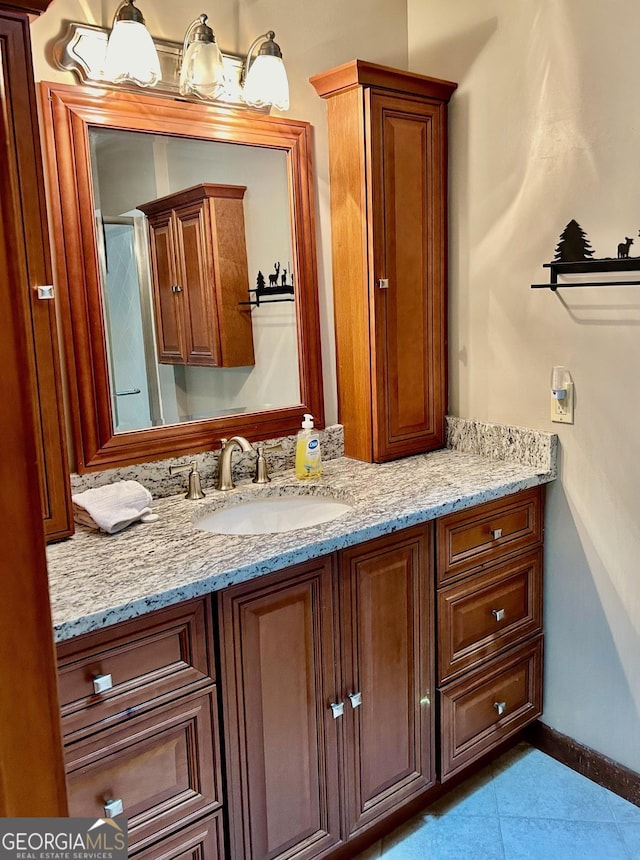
(112, 508)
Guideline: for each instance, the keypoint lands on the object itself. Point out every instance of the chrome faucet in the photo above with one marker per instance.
(225, 477)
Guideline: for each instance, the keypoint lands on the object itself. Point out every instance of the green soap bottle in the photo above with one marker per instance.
(308, 460)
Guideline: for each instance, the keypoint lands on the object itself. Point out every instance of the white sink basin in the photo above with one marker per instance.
(268, 514)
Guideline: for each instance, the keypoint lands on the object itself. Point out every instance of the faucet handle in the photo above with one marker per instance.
(262, 470)
(195, 490)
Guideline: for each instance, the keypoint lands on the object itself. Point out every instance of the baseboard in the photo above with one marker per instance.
(586, 761)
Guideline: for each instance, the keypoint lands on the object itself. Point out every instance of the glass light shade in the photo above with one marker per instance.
(267, 83)
(202, 71)
(131, 56)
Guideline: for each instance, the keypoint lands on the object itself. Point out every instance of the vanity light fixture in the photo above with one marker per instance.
(193, 67)
(265, 78)
(131, 56)
(202, 68)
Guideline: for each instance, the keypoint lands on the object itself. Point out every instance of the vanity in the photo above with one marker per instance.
(292, 694)
(303, 687)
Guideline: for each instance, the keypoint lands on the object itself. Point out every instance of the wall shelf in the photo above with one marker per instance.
(607, 264)
(265, 295)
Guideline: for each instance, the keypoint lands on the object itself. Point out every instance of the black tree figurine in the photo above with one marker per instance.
(260, 280)
(573, 245)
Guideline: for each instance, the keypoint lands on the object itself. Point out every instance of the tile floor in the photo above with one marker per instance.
(524, 806)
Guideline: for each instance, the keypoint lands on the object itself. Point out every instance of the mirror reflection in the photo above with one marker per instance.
(188, 229)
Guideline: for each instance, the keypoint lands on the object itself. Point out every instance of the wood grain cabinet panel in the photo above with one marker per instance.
(201, 841)
(200, 276)
(489, 621)
(317, 661)
(278, 664)
(162, 766)
(488, 705)
(147, 660)
(490, 612)
(150, 738)
(387, 633)
(388, 174)
(472, 538)
(34, 263)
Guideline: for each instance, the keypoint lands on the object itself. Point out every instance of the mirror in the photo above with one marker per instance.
(168, 345)
(149, 386)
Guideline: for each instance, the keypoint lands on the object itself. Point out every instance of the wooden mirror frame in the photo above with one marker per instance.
(68, 112)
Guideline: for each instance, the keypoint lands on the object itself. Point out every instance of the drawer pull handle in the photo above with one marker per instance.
(496, 534)
(337, 709)
(498, 614)
(383, 283)
(176, 288)
(355, 699)
(500, 707)
(102, 683)
(113, 808)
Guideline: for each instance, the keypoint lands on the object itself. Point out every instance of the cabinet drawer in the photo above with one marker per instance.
(201, 841)
(473, 538)
(145, 661)
(488, 705)
(162, 766)
(488, 612)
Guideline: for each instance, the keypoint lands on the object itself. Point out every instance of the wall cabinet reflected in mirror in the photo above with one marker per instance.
(165, 352)
(199, 276)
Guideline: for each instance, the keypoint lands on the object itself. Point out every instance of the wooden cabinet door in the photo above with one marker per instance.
(388, 675)
(33, 261)
(168, 292)
(408, 193)
(278, 664)
(194, 260)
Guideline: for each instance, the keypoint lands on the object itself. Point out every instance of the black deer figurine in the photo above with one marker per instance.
(273, 278)
(623, 247)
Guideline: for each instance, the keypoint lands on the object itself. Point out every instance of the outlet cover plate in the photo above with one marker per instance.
(562, 410)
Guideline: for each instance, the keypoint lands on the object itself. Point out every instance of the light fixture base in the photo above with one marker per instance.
(81, 50)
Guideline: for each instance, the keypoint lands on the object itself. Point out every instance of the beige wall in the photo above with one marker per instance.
(313, 37)
(544, 128)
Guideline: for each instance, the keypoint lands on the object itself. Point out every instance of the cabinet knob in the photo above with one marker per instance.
(337, 709)
(355, 699)
(496, 533)
(383, 283)
(176, 288)
(102, 683)
(113, 807)
(499, 614)
(500, 707)
(45, 291)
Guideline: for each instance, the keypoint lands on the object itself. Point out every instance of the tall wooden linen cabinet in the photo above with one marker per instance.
(34, 265)
(388, 177)
(30, 748)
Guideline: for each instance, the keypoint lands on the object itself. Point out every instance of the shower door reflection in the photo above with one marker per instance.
(129, 323)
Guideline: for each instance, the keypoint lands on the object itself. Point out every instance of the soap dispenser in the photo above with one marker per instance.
(308, 462)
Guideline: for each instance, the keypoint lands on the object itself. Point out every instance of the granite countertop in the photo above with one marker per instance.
(97, 579)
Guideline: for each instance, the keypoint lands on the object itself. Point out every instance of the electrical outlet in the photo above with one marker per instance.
(562, 410)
